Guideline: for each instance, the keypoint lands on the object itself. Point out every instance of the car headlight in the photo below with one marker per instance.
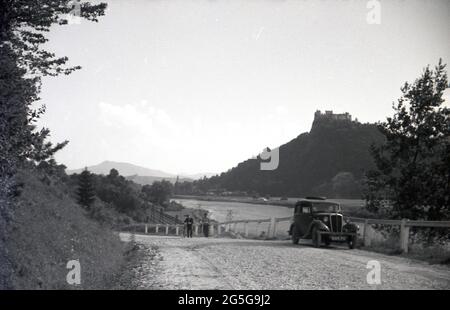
(325, 219)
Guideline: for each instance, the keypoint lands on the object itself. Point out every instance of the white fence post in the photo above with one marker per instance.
(404, 236)
(157, 228)
(177, 229)
(212, 230)
(167, 229)
(146, 229)
(196, 230)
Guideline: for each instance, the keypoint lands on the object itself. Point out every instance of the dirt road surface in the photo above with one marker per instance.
(220, 263)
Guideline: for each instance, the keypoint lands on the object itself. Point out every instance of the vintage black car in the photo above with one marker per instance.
(322, 221)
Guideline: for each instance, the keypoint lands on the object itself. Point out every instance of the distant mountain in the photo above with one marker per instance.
(329, 160)
(138, 174)
(124, 169)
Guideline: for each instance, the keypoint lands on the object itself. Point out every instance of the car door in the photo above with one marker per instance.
(304, 218)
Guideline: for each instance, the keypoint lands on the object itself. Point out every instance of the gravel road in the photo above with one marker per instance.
(220, 263)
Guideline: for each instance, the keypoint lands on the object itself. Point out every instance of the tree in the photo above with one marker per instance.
(23, 25)
(176, 186)
(159, 192)
(344, 185)
(86, 190)
(113, 173)
(412, 179)
(121, 194)
(23, 62)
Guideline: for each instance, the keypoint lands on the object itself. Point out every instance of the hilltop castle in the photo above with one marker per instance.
(330, 115)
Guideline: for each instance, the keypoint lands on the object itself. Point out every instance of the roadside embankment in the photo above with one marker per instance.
(48, 230)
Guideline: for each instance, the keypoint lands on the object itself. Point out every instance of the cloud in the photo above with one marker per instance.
(139, 122)
(145, 132)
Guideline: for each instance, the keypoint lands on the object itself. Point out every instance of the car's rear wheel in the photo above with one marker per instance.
(351, 242)
(315, 237)
(294, 236)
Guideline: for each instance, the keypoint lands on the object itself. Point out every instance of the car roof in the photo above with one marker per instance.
(316, 200)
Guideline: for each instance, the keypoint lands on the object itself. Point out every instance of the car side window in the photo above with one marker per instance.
(306, 210)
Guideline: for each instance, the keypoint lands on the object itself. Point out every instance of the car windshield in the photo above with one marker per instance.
(325, 207)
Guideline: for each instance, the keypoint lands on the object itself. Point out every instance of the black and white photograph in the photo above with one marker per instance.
(240, 147)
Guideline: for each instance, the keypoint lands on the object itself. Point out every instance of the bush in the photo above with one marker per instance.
(106, 215)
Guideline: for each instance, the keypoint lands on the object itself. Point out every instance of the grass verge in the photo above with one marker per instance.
(48, 230)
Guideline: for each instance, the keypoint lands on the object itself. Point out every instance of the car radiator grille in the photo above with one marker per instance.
(336, 223)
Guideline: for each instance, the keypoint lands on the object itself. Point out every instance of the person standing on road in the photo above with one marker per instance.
(184, 227)
(205, 225)
(189, 222)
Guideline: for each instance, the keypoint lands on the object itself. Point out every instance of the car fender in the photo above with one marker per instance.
(290, 229)
(319, 224)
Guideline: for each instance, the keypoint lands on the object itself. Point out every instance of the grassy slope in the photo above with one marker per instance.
(49, 230)
(4, 262)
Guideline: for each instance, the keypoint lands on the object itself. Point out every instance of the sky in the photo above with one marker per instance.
(193, 86)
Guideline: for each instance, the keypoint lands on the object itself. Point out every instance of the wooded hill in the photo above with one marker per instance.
(330, 160)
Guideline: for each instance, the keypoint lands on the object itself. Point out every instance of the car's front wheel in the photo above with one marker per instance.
(351, 242)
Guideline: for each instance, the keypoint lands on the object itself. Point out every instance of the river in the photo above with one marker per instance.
(219, 210)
